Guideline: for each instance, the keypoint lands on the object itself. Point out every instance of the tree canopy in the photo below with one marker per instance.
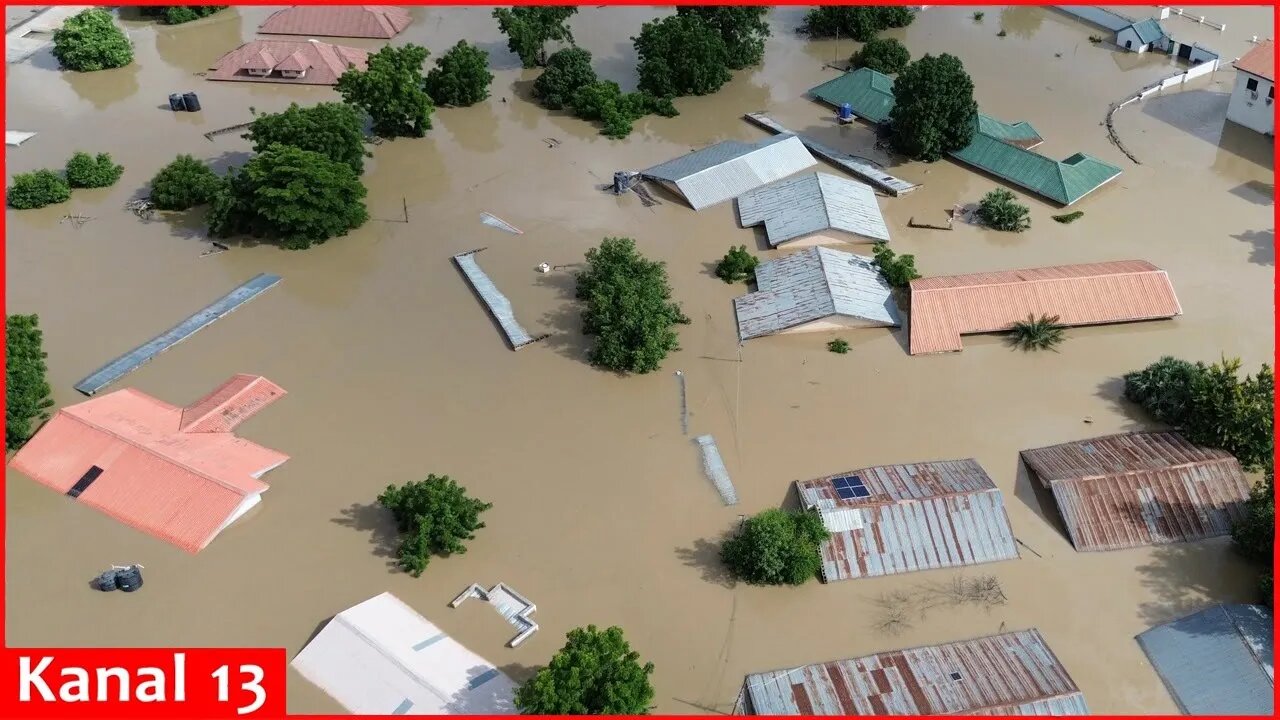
(333, 129)
(605, 102)
(178, 14)
(567, 71)
(1000, 210)
(90, 41)
(461, 76)
(628, 308)
(884, 55)
(681, 55)
(296, 196)
(897, 270)
(184, 183)
(1254, 535)
(776, 547)
(737, 265)
(860, 22)
(87, 171)
(391, 91)
(37, 189)
(595, 673)
(529, 29)
(26, 387)
(743, 29)
(934, 112)
(434, 517)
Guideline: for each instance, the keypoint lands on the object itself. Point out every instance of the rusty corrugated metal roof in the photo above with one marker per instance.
(946, 307)
(354, 21)
(325, 62)
(1009, 674)
(1140, 488)
(921, 516)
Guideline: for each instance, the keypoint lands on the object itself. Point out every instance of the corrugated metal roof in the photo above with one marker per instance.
(183, 487)
(1218, 661)
(810, 203)
(869, 93)
(726, 170)
(498, 304)
(383, 658)
(230, 404)
(381, 22)
(1260, 61)
(1020, 133)
(1009, 674)
(1098, 16)
(326, 62)
(921, 516)
(944, 308)
(1148, 31)
(811, 285)
(1141, 488)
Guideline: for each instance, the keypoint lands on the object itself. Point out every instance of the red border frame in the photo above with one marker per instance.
(8, 704)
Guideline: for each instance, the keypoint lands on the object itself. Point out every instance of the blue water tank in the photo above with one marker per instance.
(846, 112)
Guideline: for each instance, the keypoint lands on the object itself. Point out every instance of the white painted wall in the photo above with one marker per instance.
(1254, 109)
(1128, 35)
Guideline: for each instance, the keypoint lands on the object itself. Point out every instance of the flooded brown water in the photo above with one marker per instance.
(601, 514)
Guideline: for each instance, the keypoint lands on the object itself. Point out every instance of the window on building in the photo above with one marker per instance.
(1271, 93)
(1251, 85)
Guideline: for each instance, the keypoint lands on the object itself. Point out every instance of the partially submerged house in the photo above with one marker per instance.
(726, 170)
(381, 22)
(1140, 488)
(382, 658)
(1219, 661)
(946, 307)
(902, 518)
(816, 290)
(296, 62)
(1143, 35)
(814, 209)
(1254, 95)
(1013, 673)
(999, 148)
(177, 473)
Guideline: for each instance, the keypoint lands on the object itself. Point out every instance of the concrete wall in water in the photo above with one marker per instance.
(1253, 108)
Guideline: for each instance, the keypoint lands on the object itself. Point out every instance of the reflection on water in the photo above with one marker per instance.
(194, 47)
(104, 87)
(1023, 21)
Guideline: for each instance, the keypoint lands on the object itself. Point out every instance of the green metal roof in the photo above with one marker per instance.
(1020, 132)
(1148, 30)
(868, 92)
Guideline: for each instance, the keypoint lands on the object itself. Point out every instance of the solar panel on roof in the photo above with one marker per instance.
(848, 488)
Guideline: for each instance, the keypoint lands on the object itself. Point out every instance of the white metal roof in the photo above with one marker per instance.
(726, 170)
(382, 658)
(810, 203)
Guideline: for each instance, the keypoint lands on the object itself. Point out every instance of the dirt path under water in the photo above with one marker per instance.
(601, 514)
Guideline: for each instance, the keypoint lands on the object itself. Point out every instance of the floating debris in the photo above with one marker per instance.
(543, 268)
(14, 138)
(494, 221)
(76, 220)
(498, 304)
(714, 467)
(511, 605)
(684, 404)
(143, 208)
(214, 249)
(551, 142)
(223, 131)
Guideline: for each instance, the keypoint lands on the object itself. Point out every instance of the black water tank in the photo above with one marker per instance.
(106, 582)
(192, 102)
(175, 102)
(129, 579)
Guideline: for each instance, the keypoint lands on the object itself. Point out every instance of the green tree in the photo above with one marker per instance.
(737, 265)
(178, 14)
(37, 189)
(776, 547)
(184, 183)
(461, 76)
(335, 130)
(839, 346)
(86, 171)
(390, 91)
(859, 22)
(999, 210)
(1254, 534)
(742, 28)
(595, 673)
(529, 29)
(628, 308)
(681, 55)
(91, 41)
(1037, 333)
(296, 196)
(604, 101)
(884, 55)
(934, 112)
(434, 517)
(26, 387)
(568, 71)
(897, 270)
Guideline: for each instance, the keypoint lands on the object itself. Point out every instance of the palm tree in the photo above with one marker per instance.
(1042, 333)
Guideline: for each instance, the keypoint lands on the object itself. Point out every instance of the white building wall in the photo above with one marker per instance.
(1254, 109)
(1128, 35)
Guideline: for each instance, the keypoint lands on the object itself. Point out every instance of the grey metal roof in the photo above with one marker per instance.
(810, 203)
(1217, 661)
(493, 298)
(811, 285)
(1013, 673)
(921, 516)
(726, 170)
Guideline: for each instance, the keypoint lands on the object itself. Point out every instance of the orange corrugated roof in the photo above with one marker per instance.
(1260, 61)
(354, 21)
(326, 62)
(179, 486)
(230, 404)
(944, 308)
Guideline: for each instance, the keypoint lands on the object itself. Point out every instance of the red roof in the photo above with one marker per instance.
(1260, 61)
(944, 308)
(324, 62)
(176, 473)
(354, 21)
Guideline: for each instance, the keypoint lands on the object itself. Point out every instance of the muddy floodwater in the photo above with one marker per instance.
(600, 511)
